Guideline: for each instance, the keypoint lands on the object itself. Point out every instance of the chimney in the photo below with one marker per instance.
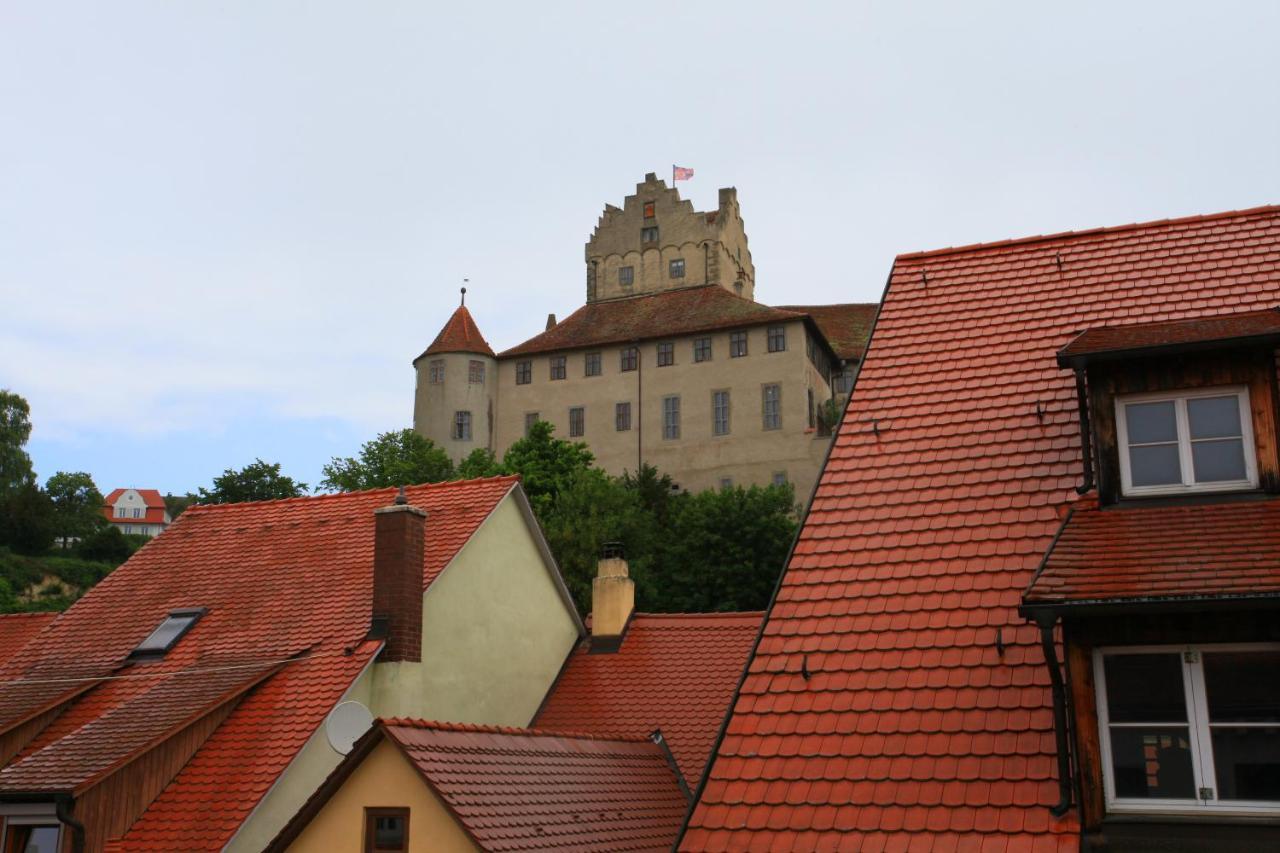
(551, 322)
(398, 542)
(613, 597)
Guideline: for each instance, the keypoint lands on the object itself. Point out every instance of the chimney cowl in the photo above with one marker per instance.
(613, 551)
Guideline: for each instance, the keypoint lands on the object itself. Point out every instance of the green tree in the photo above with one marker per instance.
(15, 429)
(26, 519)
(400, 458)
(480, 462)
(77, 505)
(257, 481)
(107, 545)
(176, 505)
(547, 465)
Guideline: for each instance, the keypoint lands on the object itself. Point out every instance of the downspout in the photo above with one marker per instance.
(62, 808)
(1086, 432)
(1046, 622)
(639, 409)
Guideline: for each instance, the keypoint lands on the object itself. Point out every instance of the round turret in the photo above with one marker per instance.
(456, 387)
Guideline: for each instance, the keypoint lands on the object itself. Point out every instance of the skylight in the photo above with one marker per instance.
(164, 637)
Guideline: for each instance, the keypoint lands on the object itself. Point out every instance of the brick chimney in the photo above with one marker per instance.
(613, 597)
(398, 542)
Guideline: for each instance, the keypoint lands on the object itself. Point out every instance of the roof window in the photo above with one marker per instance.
(166, 636)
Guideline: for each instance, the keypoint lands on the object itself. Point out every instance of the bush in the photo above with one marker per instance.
(107, 545)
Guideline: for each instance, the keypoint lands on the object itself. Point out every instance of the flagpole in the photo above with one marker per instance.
(673, 175)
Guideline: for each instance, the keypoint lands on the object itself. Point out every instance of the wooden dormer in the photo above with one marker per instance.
(1181, 409)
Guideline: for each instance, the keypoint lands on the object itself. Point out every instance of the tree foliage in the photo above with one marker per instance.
(547, 465)
(399, 458)
(480, 462)
(77, 505)
(26, 519)
(257, 481)
(15, 429)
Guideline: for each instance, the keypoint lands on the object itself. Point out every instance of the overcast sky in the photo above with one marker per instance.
(227, 228)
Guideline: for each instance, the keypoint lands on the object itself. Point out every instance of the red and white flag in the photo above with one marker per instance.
(680, 173)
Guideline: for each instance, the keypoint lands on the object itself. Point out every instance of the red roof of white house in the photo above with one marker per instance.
(150, 497)
(288, 590)
(877, 712)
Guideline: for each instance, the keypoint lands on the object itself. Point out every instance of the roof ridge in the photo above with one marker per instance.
(482, 728)
(1087, 232)
(727, 614)
(332, 495)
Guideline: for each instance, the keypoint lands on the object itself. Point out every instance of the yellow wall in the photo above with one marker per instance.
(495, 633)
(384, 779)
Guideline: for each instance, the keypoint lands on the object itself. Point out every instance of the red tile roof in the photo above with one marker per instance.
(18, 629)
(846, 327)
(940, 498)
(277, 578)
(1218, 550)
(674, 672)
(150, 497)
(460, 334)
(520, 789)
(1151, 338)
(659, 315)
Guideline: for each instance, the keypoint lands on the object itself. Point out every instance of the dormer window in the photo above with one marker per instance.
(166, 636)
(1185, 441)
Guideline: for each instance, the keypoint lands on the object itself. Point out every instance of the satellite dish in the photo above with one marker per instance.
(345, 724)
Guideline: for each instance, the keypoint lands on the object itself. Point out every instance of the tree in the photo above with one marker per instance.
(26, 519)
(400, 458)
(480, 462)
(546, 465)
(77, 505)
(15, 429)
(176, 505)
(107, 545)
(258, 481)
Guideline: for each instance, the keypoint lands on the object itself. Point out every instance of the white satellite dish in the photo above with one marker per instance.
(345, 724)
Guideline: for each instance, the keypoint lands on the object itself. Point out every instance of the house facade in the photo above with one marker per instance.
(139, 512)
(1033, 604)
(670, 362)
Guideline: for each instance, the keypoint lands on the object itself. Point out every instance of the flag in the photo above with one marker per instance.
(680, 173)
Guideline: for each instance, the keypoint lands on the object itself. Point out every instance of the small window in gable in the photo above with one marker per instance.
(167, 634)
(1187, 441)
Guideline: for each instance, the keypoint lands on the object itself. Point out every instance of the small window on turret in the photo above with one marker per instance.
(475, 372)
(437, 372)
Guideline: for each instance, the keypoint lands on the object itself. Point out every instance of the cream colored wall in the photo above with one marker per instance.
(698, 460)
(384, 779)
(435, 405)
(495, 632)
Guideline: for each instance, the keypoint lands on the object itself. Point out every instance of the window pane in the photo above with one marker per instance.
(1214, 417)
(1247, 763)
(31, 839)
(1151, 422)
(1155, 465)
(1145, 688)
(1218, 460)
(1151, 762)
(1243, 687)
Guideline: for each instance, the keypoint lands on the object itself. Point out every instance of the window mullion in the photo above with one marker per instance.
(1184, 441)
(1198, 721)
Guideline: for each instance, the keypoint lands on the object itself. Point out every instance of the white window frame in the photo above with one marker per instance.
(1197, 727)
(1188, 484)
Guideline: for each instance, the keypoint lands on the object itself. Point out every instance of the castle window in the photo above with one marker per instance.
(737, 344)
(671, 417)
(771, 400)
(778, 340)
(524, 372)
(577, 422)
(626, 276)
(591, 364)
(461, 426)
(1185, 441)
(436, 372)
(677, 267)
(475, 372)
(648, 210)
(630, 358)
(558, 366)
(622, 417)
(666, 354)
(719, 412)
(649, 234)
(726, 483)
(530, 418)
(702, 349)
(779, 478)
(813, 421)
(842, 382)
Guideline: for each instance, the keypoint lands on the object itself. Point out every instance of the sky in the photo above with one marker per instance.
(226, 229)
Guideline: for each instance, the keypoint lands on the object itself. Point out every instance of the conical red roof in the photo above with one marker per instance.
(460, 334)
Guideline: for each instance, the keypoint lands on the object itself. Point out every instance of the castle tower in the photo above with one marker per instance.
(656, 241)
(456, 393)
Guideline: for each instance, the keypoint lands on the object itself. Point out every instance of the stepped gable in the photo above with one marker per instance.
(941, 496)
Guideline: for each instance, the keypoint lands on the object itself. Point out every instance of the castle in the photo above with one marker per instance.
(671, 362)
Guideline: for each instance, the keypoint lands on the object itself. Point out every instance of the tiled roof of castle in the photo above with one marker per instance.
(18, 629)
(846, 327)
(658, 315)
(287, 584)
(460, 334)
(1218, 550)
(527, 790)
(1128, 340)
(941, 495)
(674, 672)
